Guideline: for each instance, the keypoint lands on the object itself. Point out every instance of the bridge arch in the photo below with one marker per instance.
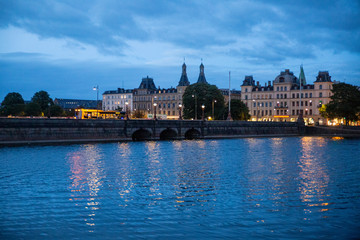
(168, 134)
(141, 134)
(192, 133)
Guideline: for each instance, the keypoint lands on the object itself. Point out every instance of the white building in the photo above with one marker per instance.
(284, 100)
(118, 99)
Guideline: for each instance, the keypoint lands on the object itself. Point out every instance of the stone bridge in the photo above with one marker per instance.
(72, 130)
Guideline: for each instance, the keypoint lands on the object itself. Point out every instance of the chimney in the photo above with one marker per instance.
(269, 82)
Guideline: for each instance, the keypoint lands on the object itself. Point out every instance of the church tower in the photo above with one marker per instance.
(202, 78)
(184, 81)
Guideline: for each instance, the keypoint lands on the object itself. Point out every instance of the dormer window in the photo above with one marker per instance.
(281, 79)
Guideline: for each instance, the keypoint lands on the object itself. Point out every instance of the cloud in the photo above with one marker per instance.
(151, 38)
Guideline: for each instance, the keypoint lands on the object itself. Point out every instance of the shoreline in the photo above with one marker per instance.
(85, 141)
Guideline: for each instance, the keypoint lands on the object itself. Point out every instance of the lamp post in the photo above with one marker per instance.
(259, 111)
(194, 96)
(49, 110)
(126, 110)
(256, 109)
(229, 118)
(96, 88)
(213, 113)
(180, 106)
(155, 111)
(203, 108)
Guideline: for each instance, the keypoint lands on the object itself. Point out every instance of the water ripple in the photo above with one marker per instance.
(276, 188)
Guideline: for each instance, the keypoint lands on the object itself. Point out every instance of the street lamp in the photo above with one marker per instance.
(155, 111)
(256, 109)
(203, 108)
(126, 110)
(49, 110)
(180, 106)
(229, 118)
(213, 113)
(96, 88)
(194, 96)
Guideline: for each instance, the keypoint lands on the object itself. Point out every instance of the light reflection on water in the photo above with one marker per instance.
(250, 188)
(313, 174)
(87, 175)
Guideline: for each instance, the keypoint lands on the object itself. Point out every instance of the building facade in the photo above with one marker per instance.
(234, 94)
(120, 99)
(285, 100)
(165, 101)
(143, 95)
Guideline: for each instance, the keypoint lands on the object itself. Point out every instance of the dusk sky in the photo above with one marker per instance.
(67, 47)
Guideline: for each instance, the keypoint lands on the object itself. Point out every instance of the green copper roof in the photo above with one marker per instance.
(302, 78)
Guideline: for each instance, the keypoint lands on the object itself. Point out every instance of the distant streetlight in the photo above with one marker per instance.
(49, 110)
(155, 111)
(229, 118)
(180, 106)
(194, 96)
(256, 109)
(213, 113)
(126, 110)
(203, 109)
(96, 88)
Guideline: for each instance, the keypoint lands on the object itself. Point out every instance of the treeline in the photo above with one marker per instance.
(41, 105)
(344, 104)
(204, 99)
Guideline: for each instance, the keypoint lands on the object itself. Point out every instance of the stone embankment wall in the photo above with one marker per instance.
(343, 131)
(59, 129)
(27, 130)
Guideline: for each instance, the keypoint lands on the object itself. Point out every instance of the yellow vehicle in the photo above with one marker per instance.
(81, 113)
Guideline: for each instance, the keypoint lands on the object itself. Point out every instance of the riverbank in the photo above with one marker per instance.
(20, 132)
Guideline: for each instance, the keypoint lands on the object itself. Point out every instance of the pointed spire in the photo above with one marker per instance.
(184, 81)
(202, 78)
(302, 79)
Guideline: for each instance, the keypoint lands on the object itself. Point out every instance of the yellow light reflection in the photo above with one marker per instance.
(313, 175)
(337, 138)
(86, 176)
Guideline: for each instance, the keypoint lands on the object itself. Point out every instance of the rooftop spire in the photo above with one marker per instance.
(184, 81)
(302, 79)
(202, 78)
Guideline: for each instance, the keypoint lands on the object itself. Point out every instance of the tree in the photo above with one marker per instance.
(345, 102)
(239, 111)
(32, 109)
(43, 99)
(201, 93)
(56, 110)
(323, 111)
(138, 114)
(13, 104)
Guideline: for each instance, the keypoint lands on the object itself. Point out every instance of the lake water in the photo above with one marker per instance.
(253, 188)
